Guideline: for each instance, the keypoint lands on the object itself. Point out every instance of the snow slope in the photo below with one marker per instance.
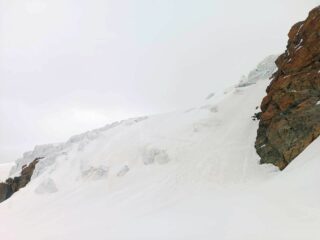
(192, 174)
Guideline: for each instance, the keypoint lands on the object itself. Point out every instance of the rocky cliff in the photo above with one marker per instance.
(13, 185)
(290, 113)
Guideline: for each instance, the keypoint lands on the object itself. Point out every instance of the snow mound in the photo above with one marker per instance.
(47, 186)
(153, 155)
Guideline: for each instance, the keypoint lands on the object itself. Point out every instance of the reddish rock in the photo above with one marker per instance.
(290, 117)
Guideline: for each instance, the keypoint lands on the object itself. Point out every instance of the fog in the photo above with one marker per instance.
(67, 66)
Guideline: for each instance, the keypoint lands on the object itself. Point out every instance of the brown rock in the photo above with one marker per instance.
(12, 185)
(290, 117)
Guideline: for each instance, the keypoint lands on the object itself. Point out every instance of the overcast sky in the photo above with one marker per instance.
(67, 66)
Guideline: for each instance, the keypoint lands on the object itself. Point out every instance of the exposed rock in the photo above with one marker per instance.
(290, 117)
(5, 191)
(12, 185)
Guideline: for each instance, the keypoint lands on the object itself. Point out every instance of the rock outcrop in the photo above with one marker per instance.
(12, 185)
(290, 113)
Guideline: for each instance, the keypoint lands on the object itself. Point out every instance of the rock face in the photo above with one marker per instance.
(13, 185)
(290, 117)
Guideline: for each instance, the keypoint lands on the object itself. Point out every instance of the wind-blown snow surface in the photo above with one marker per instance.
(187, 175)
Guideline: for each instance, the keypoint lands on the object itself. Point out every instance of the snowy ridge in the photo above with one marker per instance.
(185, 175)
(159, 140)
(52, 151)
(264, 70)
